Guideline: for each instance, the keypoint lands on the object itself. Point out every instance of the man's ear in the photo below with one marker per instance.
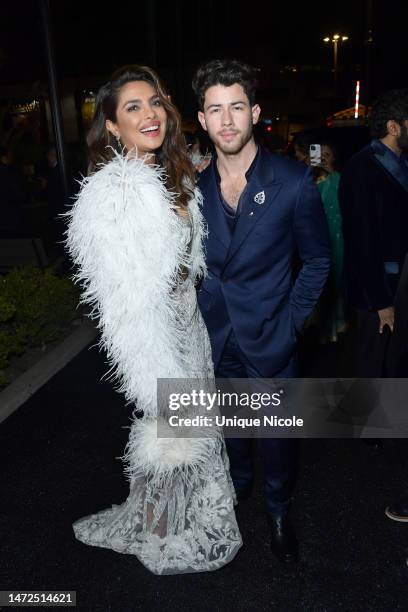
(110, 126)
(201, 118)
(393, 128)
(256, 111)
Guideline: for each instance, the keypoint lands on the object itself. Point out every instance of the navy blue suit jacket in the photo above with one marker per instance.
(374, 207)
(250, 286)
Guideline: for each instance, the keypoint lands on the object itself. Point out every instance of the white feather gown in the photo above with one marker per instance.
(130, 249)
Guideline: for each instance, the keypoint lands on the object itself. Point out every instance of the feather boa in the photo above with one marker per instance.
(128, 246)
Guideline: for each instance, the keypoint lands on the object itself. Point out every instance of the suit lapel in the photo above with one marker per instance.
(259, 196)
(388, 161)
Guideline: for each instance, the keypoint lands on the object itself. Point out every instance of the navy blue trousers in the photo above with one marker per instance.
(279, 456)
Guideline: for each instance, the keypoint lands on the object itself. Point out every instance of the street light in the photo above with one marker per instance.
(335, 39)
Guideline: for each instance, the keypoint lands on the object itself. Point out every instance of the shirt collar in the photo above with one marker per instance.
(248, 173)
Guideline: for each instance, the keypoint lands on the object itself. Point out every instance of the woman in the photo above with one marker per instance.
(331, 304)
(135, 233)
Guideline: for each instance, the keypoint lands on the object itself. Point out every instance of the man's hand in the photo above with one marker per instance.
(203, 163)
(386, 318)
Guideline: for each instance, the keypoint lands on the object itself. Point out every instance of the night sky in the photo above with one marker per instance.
(91, 41)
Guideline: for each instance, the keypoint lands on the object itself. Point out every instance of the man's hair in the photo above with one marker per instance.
(390, 105)
(227, 73)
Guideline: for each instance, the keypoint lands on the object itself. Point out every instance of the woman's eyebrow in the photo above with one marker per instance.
(131, 102)
(138, 100)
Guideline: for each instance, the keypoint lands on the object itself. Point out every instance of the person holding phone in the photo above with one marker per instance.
(331, 307)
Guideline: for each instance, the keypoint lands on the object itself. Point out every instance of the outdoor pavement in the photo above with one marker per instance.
(58, 463)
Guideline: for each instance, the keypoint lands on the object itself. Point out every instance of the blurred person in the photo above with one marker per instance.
(135, 234)
(373, 196)
(52, 189)
(301, 147)
(259, 208)
(330, 315)
(12, 196)
(194, 150)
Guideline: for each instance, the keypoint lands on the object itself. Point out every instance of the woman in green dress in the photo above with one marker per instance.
(331, 310)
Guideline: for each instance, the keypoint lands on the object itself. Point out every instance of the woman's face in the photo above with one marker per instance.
(327, 158)
(141, 119)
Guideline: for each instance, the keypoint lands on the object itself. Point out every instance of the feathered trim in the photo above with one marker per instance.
(198, 265)
(128, 246)
(160, 459)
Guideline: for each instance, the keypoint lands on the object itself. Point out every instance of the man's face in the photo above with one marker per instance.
(228, 117)
(402, 140)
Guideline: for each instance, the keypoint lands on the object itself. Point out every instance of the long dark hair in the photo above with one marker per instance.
(172, 156)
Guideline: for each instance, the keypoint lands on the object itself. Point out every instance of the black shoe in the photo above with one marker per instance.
(284, 544)
(398, 511)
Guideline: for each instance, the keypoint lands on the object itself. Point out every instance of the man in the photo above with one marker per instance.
(373, 197)
(259, 208)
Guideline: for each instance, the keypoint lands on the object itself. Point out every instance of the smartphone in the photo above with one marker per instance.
(315, 155)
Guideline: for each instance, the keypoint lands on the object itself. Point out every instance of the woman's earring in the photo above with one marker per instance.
(118, 140)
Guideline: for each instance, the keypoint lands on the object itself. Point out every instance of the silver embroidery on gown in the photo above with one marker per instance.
(183, 520)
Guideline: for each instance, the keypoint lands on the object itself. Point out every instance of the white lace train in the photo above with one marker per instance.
(185, 525)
